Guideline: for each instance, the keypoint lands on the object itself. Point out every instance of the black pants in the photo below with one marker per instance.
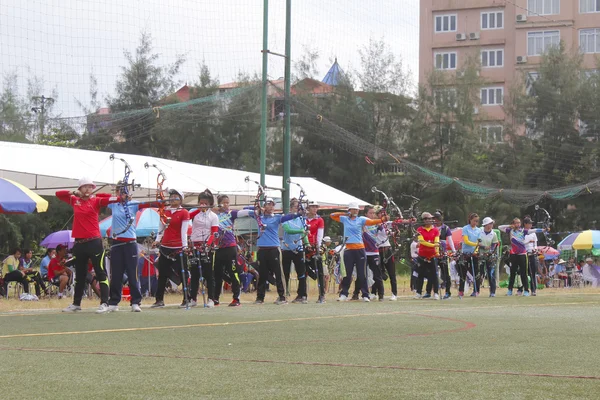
(83, 252)
(288, 257)
(470, 264)
(373, 263)
(386, 257)
(225, 265)
(532, 268)
(269, 263)
(314, 269)
(518, 264)
(202, 266)
(124, 260)
(355, 258)
(444, 276)
(427, 269)
(490, 268)
(17, 276)
(169, 263)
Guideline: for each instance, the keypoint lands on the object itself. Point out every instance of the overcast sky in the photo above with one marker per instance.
(63, 41)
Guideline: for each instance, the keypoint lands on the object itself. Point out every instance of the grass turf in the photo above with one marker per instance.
(425, 348)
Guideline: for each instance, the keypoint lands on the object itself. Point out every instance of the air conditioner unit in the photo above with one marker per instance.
(475, 110)
(521, 18)
(521, 59)
(474, 35)
(461, 36)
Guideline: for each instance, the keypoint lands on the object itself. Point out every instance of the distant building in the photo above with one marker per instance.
(509, 38)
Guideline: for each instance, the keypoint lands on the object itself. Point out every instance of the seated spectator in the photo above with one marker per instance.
(558, 271)
(544, 277)
(591, 272)
(58, 273)
(50, 254)
(16, 273)
(26, 265)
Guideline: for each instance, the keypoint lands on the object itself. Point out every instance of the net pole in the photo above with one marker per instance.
(263, 106)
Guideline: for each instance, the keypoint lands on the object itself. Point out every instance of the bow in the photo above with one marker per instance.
(257, 209)
(413, 211)
(124, 190)
(301, 201)
(160, 195)
(546, 223)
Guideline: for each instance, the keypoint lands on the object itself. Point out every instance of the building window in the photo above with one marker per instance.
(589, 40)
(444, 98)
(543, 7)
(492, 20)
(445, 60)
(491, 134)
(540, 41)
(446, 133)
(445, 23)
(529, 83)
(589, 6)
(492, 58)
(492, 96)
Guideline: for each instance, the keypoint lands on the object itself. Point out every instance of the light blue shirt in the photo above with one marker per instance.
(119, 222)
(269, 237)
(353, 229)
(44, 265)
(473, 235)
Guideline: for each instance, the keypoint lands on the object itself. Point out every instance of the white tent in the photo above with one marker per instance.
(45, 169)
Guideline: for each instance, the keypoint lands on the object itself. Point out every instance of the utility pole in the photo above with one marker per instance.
(263, 106)
(44, 102)
(287, 133)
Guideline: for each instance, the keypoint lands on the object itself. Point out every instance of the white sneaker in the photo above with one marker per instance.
(436, 296)
(60, 296)
(113, 308)
(72, 308)
(136, 308)
(193, 303)
(393, 298)
(210, 303)
(372, 296)
(103, 309)
(342, 298)
(366, 299)
(417, 296)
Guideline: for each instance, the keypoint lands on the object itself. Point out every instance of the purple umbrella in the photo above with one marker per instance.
(56, 238)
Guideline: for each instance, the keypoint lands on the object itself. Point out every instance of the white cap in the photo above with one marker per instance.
(589, 260)
(269, 200)
(353, 206)
(487, 221)
(426, 215)
(313, 203)
(86, 181)
(561, 261)
(327, 239)
(177, 191)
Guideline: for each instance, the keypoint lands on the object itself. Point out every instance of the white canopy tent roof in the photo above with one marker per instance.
(45, 169)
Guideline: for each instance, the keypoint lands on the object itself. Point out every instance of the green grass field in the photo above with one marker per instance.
(543, 347)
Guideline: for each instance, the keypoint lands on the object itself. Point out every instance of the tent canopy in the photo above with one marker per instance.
(45, 169)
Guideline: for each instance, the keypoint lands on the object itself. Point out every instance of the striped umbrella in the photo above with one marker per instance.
(585, 240)
(17, 199)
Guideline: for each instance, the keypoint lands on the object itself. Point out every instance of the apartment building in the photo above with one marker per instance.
(508, 36)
